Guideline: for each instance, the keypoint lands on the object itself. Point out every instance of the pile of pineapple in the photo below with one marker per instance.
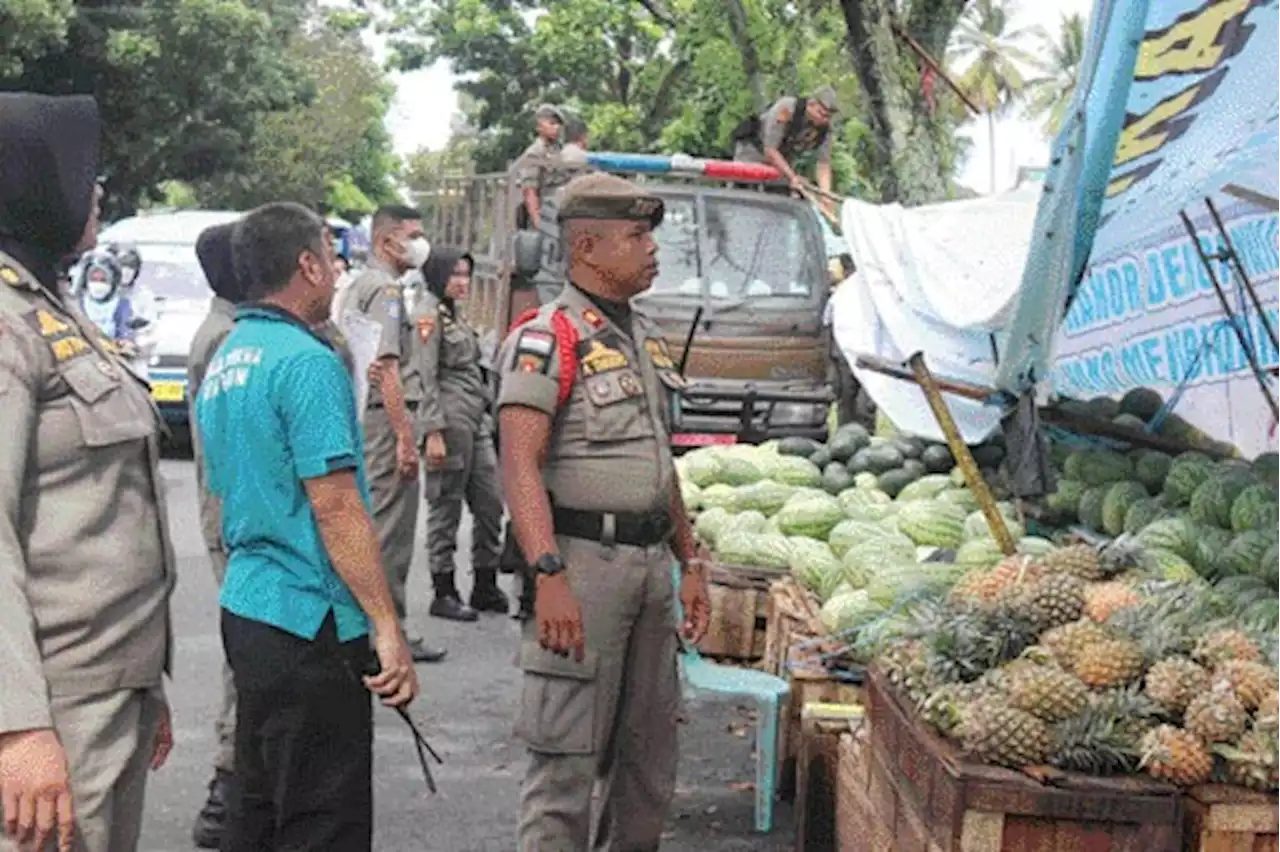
(1077, 660)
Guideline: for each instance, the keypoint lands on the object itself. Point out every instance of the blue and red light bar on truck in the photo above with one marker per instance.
(682, 165)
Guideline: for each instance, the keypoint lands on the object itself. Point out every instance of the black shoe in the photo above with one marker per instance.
(212, 819)
(452, 608)
(487, 597)
(424, 653)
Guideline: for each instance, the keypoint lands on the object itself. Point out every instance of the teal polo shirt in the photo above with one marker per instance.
(277, 408)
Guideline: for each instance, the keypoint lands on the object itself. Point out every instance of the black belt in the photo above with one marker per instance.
(408, 406)
(629, 528)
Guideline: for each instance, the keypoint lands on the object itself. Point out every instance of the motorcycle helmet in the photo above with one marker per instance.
(130, 263)
(101, 275)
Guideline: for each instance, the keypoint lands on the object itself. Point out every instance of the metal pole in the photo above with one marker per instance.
(1244, 276)
(1226, 308)
(964, 459)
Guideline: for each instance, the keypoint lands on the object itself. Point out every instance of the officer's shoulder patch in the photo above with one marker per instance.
(10, 276)
(784, 115)
(592, 318)
(534, 348)
(426, 327)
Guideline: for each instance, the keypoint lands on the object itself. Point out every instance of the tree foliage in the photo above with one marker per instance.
(1049, 93)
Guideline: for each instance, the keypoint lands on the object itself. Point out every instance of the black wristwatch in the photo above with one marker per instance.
(548, 564)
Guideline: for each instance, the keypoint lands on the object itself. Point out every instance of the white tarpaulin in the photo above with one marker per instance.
(940, 280)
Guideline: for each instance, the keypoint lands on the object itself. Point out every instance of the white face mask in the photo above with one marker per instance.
(99, 290)
(416, 252)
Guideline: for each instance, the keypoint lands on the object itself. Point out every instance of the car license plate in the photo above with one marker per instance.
(168, 391)
(701, 439)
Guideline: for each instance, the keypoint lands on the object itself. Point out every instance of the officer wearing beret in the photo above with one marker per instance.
(598, 517)
(534, 167)
(86, 563)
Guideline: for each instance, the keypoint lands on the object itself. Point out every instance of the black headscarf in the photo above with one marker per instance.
(438, 269)
(213, 248)
(49, 155)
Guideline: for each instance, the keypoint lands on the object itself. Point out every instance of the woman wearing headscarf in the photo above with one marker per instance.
(86, 564)
(461, 463)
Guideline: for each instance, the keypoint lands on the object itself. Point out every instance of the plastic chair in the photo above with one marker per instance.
(769, 692)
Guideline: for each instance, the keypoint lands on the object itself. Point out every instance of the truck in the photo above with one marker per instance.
(741, 292)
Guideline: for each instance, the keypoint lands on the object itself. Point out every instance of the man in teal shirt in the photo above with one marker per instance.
(283, 453)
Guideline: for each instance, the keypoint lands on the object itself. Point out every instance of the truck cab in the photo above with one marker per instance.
(742, 287)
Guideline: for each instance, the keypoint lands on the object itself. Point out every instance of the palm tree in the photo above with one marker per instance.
(1050, 94)
(992, 57)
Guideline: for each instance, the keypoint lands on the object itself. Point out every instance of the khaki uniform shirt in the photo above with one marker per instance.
(610, 449)
(378, 294)
(209, 336)
(455, 377)
(535, 166)
(86, 564)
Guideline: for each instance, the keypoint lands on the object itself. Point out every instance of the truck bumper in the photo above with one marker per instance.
(707, 413)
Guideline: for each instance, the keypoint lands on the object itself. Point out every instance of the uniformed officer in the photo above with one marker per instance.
(534, 167)
(393, 441)
(788, 129)
(213, 248)
(86, 564)
(597, 513)
(456, 419)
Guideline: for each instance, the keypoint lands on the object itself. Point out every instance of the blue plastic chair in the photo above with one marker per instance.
(769, 692)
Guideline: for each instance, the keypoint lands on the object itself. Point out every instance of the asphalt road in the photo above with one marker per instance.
(466, 711)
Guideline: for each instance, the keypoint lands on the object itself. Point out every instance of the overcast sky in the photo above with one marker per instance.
(425, 101)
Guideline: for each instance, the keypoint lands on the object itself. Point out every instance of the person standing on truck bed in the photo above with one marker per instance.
(788, 129)
(391, 435)
(573, 155)
(457, 421)
(533, 169)
(597, 512)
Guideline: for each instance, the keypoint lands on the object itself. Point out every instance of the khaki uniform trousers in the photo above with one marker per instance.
(612, 717)
(395, 504)
(109, 740)
(225, 723)
(471, 474)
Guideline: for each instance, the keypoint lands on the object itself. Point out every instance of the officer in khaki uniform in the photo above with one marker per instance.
(597, 513)
(393, 440)
(535, 167)
(455, 417)
(213, 248)
(86, 564)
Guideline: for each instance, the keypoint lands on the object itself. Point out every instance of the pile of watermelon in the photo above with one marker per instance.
(860, 535)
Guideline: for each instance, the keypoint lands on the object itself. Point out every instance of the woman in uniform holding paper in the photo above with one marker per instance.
(457, 421)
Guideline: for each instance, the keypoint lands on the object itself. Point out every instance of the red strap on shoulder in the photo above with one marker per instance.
(566, 343)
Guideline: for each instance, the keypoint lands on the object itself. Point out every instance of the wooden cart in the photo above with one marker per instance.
(738, 613)
(1220, 818)
(911, 791)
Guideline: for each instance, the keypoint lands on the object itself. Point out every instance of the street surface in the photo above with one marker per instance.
(466, 711)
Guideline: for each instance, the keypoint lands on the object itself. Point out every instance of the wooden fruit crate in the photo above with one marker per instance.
(1220, 818)
(818, 770)
(809, 685)
(917, 793)
(792, 616)
(739, 601)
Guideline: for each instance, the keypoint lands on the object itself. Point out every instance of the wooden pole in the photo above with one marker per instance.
(936, 68)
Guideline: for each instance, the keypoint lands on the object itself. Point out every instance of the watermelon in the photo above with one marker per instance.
(1175, 535)
(847, 441)
(1102, 467)
(1245, 553)
(926, 487)
(937, 459)
(1212, 502)
(1255, 508)
(1151, 468)
(793, 470)
(709, 523)
(1072, 466)
(865, 561)
(1103, 407)
(979, 551)
(850, 534)
(1211, 543)
(1187, 473)
(750, 522)
(1065, 501)
(1116, 504)
(988, 455)
(836, 478)
(932, 524)
(975, 525)
(1035, 546)
(893, 482)
(720, 495)
(812, 562)
(1170, 566)
(690, 496)
(1269, 566)
(814, 517)
(1090, 510)
(961, 497)
(739, 470)
(759, 550)
(1143, 403)
(701, 467)
(803, 447)
(847, 610)
(866, 480)
(1267, 468)
(1141, 513)
(1130, 421)
(766, 496)
(855, 500)
(821, 458)
(876, 460)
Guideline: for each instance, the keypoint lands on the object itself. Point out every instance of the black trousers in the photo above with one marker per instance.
(304, 741)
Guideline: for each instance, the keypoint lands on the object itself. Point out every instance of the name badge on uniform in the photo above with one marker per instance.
(391, 302)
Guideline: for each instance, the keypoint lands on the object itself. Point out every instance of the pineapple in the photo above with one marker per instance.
(1251, 681)
(1048, 693)
(946, 706)
(998, 734)
(1174, 681)
(903, 663)
(1268, 716)
(1252, 761)
(1052, 601)
(1066, 642)
(1222, 645)
(1216, 716)
(1109, 663)
(1096, 742)
(1174, 755)
(1103, 600)
(1134, 712)
(1078, 560)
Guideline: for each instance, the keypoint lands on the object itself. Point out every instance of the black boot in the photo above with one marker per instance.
(485, 594)
(212, 820)
(448, 603)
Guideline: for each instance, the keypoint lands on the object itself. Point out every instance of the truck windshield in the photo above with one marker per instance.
(750, 251)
